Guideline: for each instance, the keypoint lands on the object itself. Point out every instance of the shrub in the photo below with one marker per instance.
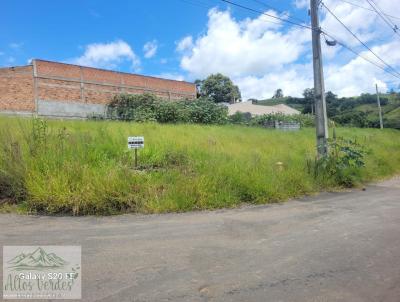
(204, 111)
(147, 107)
(168, 112)
(243, 118)
(305, 120)
(129, 107)
(343, 164)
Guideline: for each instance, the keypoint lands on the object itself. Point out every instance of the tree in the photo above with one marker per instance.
(308, 100)
(332, 104)
(278, 94)
(219, 88)
(198, 84)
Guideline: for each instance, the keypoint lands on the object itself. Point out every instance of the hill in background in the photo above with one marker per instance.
(360, 111)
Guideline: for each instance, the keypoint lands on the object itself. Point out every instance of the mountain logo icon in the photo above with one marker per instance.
(37, 260)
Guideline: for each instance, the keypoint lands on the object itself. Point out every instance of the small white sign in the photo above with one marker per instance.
(135, 142)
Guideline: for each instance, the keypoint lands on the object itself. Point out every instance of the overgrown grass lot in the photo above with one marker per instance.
(84, 167)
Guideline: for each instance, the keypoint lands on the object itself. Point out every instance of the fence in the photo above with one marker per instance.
(283, 125)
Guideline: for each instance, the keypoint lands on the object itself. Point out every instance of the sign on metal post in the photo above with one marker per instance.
(135, 142)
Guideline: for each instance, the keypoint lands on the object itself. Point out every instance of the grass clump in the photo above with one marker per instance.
(84, 167)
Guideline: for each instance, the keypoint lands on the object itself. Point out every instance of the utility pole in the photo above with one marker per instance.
(379, 106)
(321, 119)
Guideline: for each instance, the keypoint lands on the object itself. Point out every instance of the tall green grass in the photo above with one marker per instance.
(84, 167)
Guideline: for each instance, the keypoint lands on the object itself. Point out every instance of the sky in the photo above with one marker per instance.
(191, 39)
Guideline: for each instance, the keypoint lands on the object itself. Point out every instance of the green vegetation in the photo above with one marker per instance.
(343, 165)
(245, 118)
(149, 108)
(361, 111)
(84, 167)
(218, 88)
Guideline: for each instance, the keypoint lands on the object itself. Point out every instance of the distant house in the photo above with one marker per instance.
(260, 109)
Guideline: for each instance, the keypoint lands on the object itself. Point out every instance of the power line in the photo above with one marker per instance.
(394, 74)
(369, 9)
(204, 5)
(358, 54)
(266, 14)
(279, 11)
(358, 39)
(375, 7)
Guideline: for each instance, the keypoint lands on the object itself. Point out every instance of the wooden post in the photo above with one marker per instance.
(135, 158)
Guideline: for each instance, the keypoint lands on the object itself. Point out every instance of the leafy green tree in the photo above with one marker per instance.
(308, 100)
(278, 94)
(332, 104)
(218, 88)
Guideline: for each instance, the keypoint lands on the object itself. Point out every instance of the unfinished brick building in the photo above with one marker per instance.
(64, 90)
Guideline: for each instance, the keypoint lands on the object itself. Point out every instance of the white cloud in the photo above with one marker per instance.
(358, 75)
(302, 3)
(150, 49)
(108, 55)
(185, 44)
(171, 76)
(245, 50)
(261, 57)
(236, 48)
(292, 81)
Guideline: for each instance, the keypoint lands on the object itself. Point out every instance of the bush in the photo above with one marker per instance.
(243, 118)
(147, 107)
(367, 98)
(169, 112)
(129, 107)
(204, 111)
(342, 166)
(305, 120)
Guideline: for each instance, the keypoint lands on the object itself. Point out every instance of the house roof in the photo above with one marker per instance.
(260, 109)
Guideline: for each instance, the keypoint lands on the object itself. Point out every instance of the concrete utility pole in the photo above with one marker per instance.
(321, 119)
(379, 106)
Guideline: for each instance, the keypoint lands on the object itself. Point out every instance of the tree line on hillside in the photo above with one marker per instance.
(347, 111)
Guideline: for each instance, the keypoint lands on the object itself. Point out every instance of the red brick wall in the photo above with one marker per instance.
(71, 83)
(16, 89)
(54, 90)
(99, 86)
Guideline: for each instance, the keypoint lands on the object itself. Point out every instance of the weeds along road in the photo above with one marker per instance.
(332, 247)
